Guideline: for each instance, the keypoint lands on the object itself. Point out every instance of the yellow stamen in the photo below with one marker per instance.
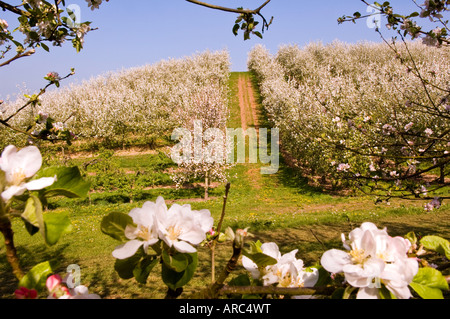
(174, 232)
(358, 256)
(18, 176)
(144, 233)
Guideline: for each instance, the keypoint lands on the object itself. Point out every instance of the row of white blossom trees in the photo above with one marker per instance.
(377, 118)
(144, 100)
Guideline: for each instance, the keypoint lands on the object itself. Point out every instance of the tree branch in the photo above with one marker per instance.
(239, 11)
(13, 9)
(271, 290)
(18, 56)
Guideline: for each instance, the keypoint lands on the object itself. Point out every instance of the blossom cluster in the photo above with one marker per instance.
(43, 22)
(179, 228)
(372, 258)
(57, 289)
(3, 30)
(19, 167)
(288, 272)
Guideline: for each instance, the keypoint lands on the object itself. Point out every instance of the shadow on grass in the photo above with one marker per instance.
(120, 197)
(30, 257)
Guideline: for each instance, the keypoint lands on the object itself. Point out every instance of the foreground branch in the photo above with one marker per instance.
(271, 290)
(11, 251)
(218, 230)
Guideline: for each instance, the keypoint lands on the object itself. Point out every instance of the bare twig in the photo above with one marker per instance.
(13, 9)
(219, 227)
(18, 56)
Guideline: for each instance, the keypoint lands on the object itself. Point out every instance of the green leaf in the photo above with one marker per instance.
(385, 293)
(177, 262)
(45, 47)
(411, 236)
(324, 276)
(240, 281)
(143, 268)
(33, 216)
(37, 276)
(114, 225)
(437, 244)
(236, 29)
(125, 267)
(258, 34)
(69, 182)
(347, 292)
(56, 225)
(255, 254)
(175, 280)
(429, 283)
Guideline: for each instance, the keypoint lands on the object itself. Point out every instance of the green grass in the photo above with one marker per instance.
(283, 208)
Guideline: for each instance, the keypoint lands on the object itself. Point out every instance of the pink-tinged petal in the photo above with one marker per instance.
(183, 247)
(53, 282)
(30, 159)
(334, 260)
(127, 250)
(367, 293)
(25, 293)
(39, 184)
(12, 191)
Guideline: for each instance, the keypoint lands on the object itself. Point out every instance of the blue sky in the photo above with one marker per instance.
(137, 32)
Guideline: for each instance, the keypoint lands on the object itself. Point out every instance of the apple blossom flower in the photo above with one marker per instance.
(182, 228)
(179, 227)
(434, 204)
(42, 117)
(408, 126)
(394, 174)
(53, 76)
(343, 167)
(56, 288)
(3, 25)
(20, 167)
(373, 256)
(146, 232)
(94, 4)
(81, 292)
(288, 272)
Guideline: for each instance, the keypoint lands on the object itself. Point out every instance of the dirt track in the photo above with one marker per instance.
(247, 103)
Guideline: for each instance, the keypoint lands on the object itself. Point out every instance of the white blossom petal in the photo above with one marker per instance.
(40, 183)
(127, 250)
